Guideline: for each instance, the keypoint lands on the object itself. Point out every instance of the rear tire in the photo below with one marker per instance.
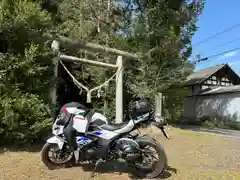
(158, 168)
(49, 163)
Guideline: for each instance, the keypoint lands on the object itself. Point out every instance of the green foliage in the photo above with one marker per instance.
(220, 122)
(25, 118)
(28, 73)
(173, 102)
(163, 37)
(25, 72)
(211, 122)
(159, 32)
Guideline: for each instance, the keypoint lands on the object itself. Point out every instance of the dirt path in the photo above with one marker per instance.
(191, 155)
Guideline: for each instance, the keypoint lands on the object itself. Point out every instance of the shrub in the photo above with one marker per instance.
(210, 122)
(25, 118)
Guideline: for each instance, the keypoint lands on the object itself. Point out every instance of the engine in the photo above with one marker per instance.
(92, 153)
(128, 149)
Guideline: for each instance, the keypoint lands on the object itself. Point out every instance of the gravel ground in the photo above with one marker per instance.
(191, 156)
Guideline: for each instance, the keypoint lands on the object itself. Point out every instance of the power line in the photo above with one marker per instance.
(222, 53)
(214, 55)
(217, 34)
(228, 42)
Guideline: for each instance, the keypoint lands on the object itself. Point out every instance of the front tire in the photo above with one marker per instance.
(155, 169)
(46, 159)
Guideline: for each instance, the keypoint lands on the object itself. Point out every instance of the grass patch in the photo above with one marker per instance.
(189, 133)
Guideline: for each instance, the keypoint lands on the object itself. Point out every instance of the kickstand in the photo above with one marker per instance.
(96, 165)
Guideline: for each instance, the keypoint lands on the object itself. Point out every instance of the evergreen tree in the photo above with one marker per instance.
(25, 71)
(161, 32)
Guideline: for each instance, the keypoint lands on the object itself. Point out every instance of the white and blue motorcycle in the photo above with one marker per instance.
(101, 141)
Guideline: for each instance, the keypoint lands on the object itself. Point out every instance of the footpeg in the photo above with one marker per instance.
(96, 165)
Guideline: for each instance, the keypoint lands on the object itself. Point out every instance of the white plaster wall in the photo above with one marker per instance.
(225, 105)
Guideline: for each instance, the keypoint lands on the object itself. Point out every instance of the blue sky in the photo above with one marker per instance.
(217, 16)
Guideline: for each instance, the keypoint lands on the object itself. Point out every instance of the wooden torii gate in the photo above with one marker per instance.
(61, 41)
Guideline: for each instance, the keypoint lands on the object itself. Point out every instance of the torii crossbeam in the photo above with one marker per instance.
(61, 41)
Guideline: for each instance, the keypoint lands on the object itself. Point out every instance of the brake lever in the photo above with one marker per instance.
(161, 127)
(164, 132)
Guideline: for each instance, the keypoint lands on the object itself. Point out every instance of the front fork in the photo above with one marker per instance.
(62, 144)
(76, 154)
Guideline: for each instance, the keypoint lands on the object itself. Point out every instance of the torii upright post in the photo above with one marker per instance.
(119, 91)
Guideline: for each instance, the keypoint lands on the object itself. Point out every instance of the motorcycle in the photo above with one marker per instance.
(102, 141)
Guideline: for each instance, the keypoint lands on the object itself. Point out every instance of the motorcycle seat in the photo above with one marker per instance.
(113, 127)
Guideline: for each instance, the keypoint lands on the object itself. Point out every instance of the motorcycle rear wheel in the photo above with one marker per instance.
(55, 164)
(151, 170)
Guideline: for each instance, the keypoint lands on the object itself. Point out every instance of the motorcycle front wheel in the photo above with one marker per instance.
(150, 166)
(54, 158)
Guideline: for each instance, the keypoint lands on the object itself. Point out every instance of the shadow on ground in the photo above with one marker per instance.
(121, 167)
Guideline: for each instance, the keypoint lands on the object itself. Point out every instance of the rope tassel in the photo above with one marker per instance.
(89, 97)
